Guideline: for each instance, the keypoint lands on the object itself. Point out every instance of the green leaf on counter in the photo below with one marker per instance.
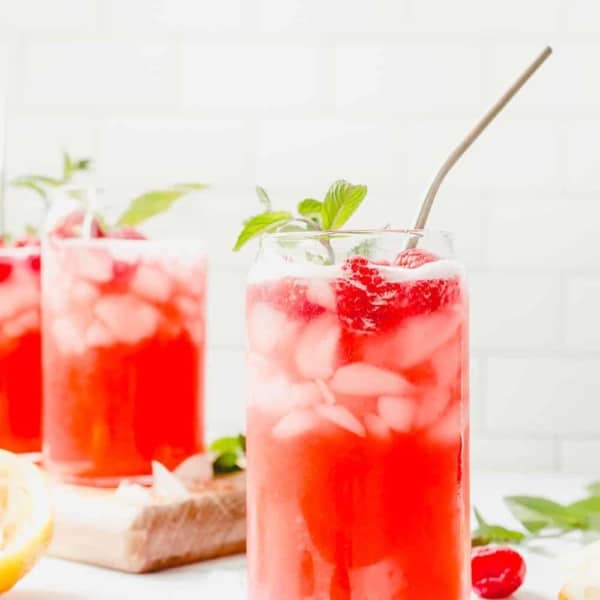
(536, 513)
(230, 453)
(487, 533)
(226, 463)
(260, 224)
(155, 202)
(341, 201)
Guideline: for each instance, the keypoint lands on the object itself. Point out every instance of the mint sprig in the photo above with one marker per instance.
(154, 202)
(541, 518)
(230, 454)
(42, 184)
(340, 203)
(493, 534)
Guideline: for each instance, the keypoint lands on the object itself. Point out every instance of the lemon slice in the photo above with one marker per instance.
(26, 518)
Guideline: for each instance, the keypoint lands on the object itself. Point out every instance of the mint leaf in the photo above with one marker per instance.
(594, 488)
(263, 198)
(153, 203)
(260, 224)
(230, 452)
(538, 513)
(584, 508)
(493, 534)
(340, 203)
(226, 463)
(226, 444)
(70, 166)
(311, 208)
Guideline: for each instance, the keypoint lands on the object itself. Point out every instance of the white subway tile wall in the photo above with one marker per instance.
(295, 93)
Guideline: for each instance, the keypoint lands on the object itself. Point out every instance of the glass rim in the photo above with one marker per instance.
(104, 242)
(20, 251)
(343, 233)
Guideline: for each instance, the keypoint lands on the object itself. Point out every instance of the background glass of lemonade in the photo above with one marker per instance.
(20, 354)
(358, 479)
(123, 354)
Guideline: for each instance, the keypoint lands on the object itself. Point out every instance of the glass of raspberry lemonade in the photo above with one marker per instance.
(20, 348)
(123, 353)
(358, 479)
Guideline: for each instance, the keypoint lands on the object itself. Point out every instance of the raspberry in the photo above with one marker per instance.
(27, 240)
(6, 268)
(287, 295)
(367, 303)
(126, 233)
(34, 262)
(414, 257)
(497, 572)
(70, 226)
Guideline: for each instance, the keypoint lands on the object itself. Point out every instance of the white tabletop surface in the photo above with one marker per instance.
(54, 579)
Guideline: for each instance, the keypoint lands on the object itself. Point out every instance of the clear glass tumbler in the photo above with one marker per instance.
(358, 468)
(123, 355)
(20, 353)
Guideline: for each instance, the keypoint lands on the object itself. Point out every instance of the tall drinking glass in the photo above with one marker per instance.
(358, 470)
(20, 353)
(123, 355)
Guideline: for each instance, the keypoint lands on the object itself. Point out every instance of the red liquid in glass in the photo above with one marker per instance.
(124, 357)
(357, 446)
(20, 360)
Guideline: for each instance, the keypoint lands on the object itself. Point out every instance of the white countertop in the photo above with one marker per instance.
(55, 579)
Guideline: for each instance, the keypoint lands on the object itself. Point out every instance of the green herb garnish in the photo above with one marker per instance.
(542, 518)
(230, 454)
(340, 203)
(42, 184)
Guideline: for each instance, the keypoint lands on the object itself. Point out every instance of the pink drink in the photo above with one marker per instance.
(20, 355)
(124, 339)
(357, 425)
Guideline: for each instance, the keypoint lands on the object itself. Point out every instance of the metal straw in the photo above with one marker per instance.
(471, 137)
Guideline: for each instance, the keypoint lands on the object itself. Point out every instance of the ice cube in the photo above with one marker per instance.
(133, 493)
(128, 319)
(22, 323)
(269, 328)
(93, 264)
(317, 351)
(321, 292)
(386, 574)
(414, 341)
(341, 416)
(398, 412)
(188, 306)
(84, 293)
(167, 485)
(279, 395)
(432, 404)
(97, 334)
(296, 423)
(450, 427)
(376, 426)
(363, 379)
(447, 361)
(420, 336)
(152, 284)
(326, 393)
(17, 296)
(195, 328)
(196, 468)
(68, 335)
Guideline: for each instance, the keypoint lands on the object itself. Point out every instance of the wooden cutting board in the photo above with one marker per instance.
(96, 526)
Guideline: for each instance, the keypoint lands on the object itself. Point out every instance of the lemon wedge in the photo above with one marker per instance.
(26, 517)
